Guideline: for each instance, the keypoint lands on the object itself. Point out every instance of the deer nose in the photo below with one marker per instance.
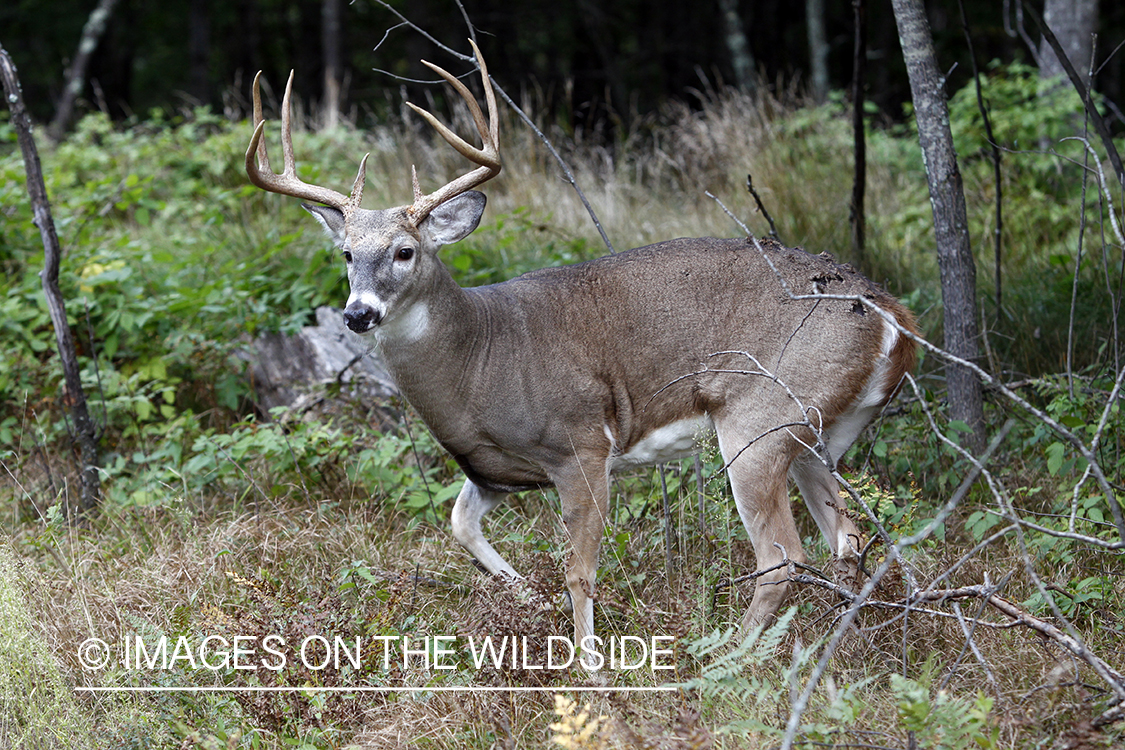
(361, 317)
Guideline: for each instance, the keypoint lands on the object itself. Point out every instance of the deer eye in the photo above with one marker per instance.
(347, 257)
(404, 253)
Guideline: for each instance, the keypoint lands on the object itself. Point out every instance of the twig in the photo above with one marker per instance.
(728, 582)
(1081, 247)
(1016, 8)
(700, 495)
(668, 568)
(727, 211)
(971, 645)
(987, 593)
(998, 230)
(761, 206)
(567, 173)
(857, 212)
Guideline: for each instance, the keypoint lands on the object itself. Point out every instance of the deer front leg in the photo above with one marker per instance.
(471, 506)
(584, 494)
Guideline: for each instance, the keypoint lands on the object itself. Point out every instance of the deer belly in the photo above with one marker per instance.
(672, 441)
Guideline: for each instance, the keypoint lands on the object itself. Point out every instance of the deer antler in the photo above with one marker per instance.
(488, 156)
(287, 183)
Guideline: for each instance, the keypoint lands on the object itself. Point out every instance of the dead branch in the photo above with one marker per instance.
(74, 397)
(987, 592)
(761, 207)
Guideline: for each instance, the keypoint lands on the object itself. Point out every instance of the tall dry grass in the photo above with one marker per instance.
(650, 183)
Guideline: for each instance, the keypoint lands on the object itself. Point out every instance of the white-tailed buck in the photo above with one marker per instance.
(563, 375)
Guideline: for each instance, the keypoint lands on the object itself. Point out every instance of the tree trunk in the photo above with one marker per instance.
(742, 60)
(332, 44)
(951, 226)
(857, 214)
(818, 50)
(73, 397)
(76, 74)
(199, 51)
(1074, 23)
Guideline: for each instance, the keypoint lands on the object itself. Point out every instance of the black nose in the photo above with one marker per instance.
(361, 318)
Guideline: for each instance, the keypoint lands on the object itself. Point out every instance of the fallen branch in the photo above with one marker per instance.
(1016, 617)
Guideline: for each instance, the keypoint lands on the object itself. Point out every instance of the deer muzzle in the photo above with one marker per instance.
(361, 316)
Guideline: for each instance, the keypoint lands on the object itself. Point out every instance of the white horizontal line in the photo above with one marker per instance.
(374, 689)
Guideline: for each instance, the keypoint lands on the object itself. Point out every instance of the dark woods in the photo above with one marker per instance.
(592, 65)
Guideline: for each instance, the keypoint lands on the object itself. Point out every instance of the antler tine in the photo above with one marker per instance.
(288, 162)
(263, 158)
(488, 156)
(287, 183)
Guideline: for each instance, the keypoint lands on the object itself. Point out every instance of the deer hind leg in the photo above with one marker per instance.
(822, 492)
(822, 496)
(756, 465)
(584, 495)
(471, 506)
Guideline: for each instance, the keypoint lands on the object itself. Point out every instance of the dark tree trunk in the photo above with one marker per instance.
(199, 51)
(76, 73)
(74, 397)
(951, 226)
(332, 44)
(818, 50)
(859, 137)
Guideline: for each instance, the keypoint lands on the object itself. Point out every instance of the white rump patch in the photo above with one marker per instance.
(847, 427)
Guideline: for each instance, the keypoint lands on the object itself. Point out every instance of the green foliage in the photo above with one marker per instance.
(746, 680)
(940, 720)
(163, 283)
(1022, 109)
(740, 676)
(1044, 196)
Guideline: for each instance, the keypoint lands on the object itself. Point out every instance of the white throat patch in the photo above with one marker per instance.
(410, 326)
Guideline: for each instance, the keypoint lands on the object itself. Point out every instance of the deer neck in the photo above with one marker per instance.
(430, 344)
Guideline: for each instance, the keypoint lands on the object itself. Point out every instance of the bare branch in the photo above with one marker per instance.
(568, 175)
(761, 207)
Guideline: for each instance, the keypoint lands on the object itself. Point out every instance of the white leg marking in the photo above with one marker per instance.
(819, 488)
(471, 506)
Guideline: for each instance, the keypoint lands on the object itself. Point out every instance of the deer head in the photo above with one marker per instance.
(389, 253)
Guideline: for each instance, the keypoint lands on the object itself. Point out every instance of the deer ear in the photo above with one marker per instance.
(456, 218)
(331, 219)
